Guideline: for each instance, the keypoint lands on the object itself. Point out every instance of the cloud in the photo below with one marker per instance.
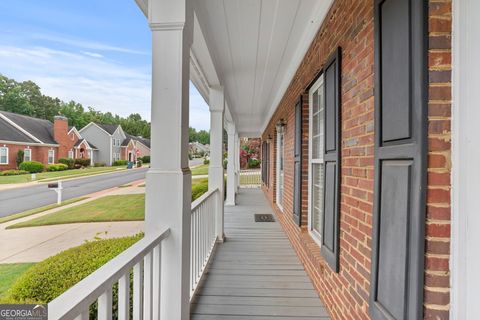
(103, 84)
(84, 44)
(92, 54)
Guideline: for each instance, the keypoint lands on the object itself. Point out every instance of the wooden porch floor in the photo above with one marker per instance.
(255, 274)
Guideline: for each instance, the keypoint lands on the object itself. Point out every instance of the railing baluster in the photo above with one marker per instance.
(137, 291)
(124, 297)
(147, 286)
(105, 305)
(157, 265)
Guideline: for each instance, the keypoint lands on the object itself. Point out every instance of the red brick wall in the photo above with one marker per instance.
(349, 24)
(437, 275)
(60, 134)
(39, 154)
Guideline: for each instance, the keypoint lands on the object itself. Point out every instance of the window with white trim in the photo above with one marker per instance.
(3, 155)
(70, 154)
(280, 164)
(51, 156)
(316, 161)
(27, 155)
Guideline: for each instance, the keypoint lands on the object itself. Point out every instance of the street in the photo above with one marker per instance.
(18, 200)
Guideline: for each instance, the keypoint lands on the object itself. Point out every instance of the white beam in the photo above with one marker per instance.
(237, 162)
(215, 171)
(231, 175)
(168, 194)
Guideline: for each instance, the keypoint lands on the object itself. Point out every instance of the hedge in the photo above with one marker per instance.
(99, 164)
(50, 278)
(12, 172)
(82, 163)
(120, 163)
(57, 167)
(198, 190)
(69, 162)
(32, 166)
(145, 159)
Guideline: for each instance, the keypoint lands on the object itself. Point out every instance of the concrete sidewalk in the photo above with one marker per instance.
(34, 244)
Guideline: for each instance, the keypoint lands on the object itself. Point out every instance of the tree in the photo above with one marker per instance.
(26, 98)
(20, 155)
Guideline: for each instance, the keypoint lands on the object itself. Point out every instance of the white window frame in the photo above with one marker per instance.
(70, 152)
(6, 150)
(53, 156)
(280, 133)
(29, 154)
(316, 235)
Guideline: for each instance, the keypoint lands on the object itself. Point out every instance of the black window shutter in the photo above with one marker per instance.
(396, 290)
(297, 163)
(331, 208)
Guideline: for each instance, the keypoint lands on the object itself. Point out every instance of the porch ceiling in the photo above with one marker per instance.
(253, 49)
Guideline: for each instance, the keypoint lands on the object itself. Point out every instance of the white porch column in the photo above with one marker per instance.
(237, 161)
(168, 194)
(231, 174)
(215, 171)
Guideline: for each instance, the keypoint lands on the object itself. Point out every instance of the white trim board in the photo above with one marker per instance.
(465, 256)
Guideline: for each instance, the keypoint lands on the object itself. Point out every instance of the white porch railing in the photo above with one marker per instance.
(144, 257)
(203, 236)
(250, 178)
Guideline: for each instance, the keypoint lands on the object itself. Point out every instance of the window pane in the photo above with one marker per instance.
(317, 197)
(315, 102)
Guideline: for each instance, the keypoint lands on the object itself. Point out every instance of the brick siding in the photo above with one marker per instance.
(39, 154)
(349, 24)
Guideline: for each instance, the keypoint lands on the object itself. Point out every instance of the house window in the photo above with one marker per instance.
(51, 156)
(70, 154)
(3, 155)
(280, 164)
(27, 155)
(316, 161)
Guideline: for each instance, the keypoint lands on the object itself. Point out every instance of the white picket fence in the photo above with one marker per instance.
(250, 178)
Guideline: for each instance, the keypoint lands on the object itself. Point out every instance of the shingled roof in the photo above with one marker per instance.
(39, 128)
(110, 128)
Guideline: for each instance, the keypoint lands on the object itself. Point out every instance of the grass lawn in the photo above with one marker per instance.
(200, 170)
(46, 176)
(38, 210)
(129, 207)
(9, 273)
(110, 208)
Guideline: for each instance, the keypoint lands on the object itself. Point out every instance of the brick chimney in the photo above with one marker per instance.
(60, 135)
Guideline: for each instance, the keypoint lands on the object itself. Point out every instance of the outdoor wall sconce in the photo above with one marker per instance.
(280, 125)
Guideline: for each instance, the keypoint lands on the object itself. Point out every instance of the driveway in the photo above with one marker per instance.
(21, 199)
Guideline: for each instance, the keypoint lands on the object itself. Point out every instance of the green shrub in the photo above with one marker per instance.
(32, 166)
(206, 161)
(225, 163)
(100, 164)
(139, 163)
(82, 163)
(253, 163)
(198, 190)
(50, 278)
(20, 155)
(57, 167)
(12, 172)
(69, 162)
(145, 159)
(120, 163)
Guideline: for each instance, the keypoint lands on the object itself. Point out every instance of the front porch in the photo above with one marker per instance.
(255, 273)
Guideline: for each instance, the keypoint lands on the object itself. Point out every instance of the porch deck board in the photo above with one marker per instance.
(255, 274)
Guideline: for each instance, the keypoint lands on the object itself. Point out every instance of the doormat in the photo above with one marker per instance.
(264, 217)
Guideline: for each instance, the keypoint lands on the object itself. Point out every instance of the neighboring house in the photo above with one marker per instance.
(197, 147)
(112, 143)
(40, 140)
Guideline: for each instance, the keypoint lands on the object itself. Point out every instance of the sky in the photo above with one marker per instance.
(95, 52)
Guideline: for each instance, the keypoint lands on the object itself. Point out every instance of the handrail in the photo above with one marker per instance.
(77, 299)
(202, 199)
